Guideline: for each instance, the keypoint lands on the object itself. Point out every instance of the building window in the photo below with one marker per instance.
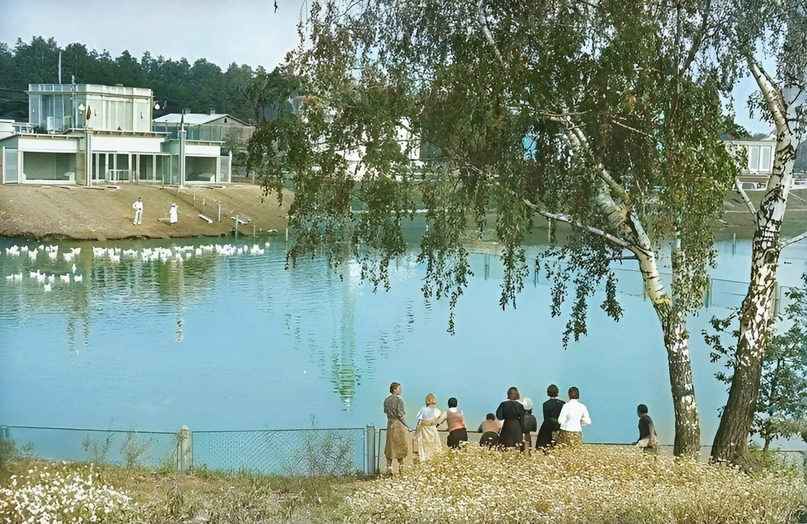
(759, 158)
(765, 158)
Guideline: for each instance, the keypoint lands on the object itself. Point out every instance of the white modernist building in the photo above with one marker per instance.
(94, 134)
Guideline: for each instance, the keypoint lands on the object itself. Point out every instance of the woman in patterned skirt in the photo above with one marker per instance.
(397, 446)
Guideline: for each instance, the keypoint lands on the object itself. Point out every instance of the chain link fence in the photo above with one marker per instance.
(293, 452)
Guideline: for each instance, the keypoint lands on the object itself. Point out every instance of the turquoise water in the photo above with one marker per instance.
(235, 341)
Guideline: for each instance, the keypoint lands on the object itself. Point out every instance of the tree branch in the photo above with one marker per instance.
(629, 128)
(783, 244)
(739, 186)
(769, 92)
(483, 21)
(576, 134)
(576, 223)
(697, 39)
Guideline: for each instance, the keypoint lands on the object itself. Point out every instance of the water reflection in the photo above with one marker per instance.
(218, 336)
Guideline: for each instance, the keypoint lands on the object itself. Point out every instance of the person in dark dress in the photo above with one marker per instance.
(511, 412)
(550, 426)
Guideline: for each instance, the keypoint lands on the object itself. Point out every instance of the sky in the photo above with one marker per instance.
(222, 31)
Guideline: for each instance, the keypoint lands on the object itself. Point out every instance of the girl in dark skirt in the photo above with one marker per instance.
(511, 412)
(547, 434)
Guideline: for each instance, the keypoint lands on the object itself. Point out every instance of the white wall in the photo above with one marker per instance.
(46, 145)
(126, 144)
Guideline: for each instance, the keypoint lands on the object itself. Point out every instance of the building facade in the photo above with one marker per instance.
(92, 134)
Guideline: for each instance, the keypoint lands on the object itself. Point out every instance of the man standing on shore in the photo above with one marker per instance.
(138, 207)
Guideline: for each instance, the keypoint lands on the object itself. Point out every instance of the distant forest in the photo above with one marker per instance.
(251, 95)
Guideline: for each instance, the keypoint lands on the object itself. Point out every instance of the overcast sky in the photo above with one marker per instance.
(222, 31)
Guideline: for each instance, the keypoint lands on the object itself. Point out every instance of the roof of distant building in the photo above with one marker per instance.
(195, 118)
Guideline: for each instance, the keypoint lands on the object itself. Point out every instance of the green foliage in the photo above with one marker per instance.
(610, 116)
(781, 410)
(251, 95)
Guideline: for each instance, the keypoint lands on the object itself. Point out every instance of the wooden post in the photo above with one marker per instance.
(184, 450)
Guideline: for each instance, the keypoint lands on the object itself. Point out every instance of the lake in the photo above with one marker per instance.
(159, 334)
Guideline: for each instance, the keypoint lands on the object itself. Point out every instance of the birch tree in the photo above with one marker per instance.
(604, 116)
(776, 28)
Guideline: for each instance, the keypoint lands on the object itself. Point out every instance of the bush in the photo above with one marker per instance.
(592, 484)
(54, 494)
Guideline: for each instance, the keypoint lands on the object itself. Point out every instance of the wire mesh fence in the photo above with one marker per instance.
(148, 449)
(308, 452)
(290, 452)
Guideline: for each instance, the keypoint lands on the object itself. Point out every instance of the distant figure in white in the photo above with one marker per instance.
(172, 215)
(138, 207)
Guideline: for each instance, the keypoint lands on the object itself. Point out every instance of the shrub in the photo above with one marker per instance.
(51, 494)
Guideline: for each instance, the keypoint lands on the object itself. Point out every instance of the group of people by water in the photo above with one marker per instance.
(511, 426)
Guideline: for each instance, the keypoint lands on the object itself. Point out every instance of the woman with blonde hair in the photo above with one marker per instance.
(427, 440)
(397, 447)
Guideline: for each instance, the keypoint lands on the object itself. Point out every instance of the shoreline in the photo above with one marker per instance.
(41, 213)
(103, 213)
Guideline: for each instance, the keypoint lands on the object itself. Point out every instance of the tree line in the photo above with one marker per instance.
(253, 95)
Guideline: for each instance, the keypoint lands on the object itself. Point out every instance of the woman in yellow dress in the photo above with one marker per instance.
(427, 440)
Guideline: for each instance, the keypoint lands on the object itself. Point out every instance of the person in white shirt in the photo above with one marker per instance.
(573, 416)
(138, 207)
(172, 214)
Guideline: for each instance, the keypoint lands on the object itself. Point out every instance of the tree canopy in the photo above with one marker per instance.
(606, 116)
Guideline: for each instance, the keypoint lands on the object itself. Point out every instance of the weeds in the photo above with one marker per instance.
(322, 453)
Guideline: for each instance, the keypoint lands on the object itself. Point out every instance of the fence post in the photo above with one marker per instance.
(370, 463)
(184, 450)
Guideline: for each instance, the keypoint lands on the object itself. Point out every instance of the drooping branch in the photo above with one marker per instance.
(798, 238)
(576, 223)
(739, 186)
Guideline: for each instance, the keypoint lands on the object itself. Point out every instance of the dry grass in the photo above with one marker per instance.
(594, 484)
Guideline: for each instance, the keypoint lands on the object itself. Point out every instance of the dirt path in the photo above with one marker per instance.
(105, 213)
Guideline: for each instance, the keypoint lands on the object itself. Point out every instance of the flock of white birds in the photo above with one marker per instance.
(115, 255)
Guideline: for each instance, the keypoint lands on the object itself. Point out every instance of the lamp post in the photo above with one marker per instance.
(87, 147)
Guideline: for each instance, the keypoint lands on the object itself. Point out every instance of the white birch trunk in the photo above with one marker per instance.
(756, 315)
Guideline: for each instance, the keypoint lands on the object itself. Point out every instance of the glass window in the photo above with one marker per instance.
(753, 158)
(765, 160)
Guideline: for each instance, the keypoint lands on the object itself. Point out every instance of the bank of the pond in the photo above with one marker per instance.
(592, 484)
(105, 212)
(56, 212)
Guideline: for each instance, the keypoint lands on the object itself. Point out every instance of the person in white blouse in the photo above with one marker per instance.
(573, 416)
